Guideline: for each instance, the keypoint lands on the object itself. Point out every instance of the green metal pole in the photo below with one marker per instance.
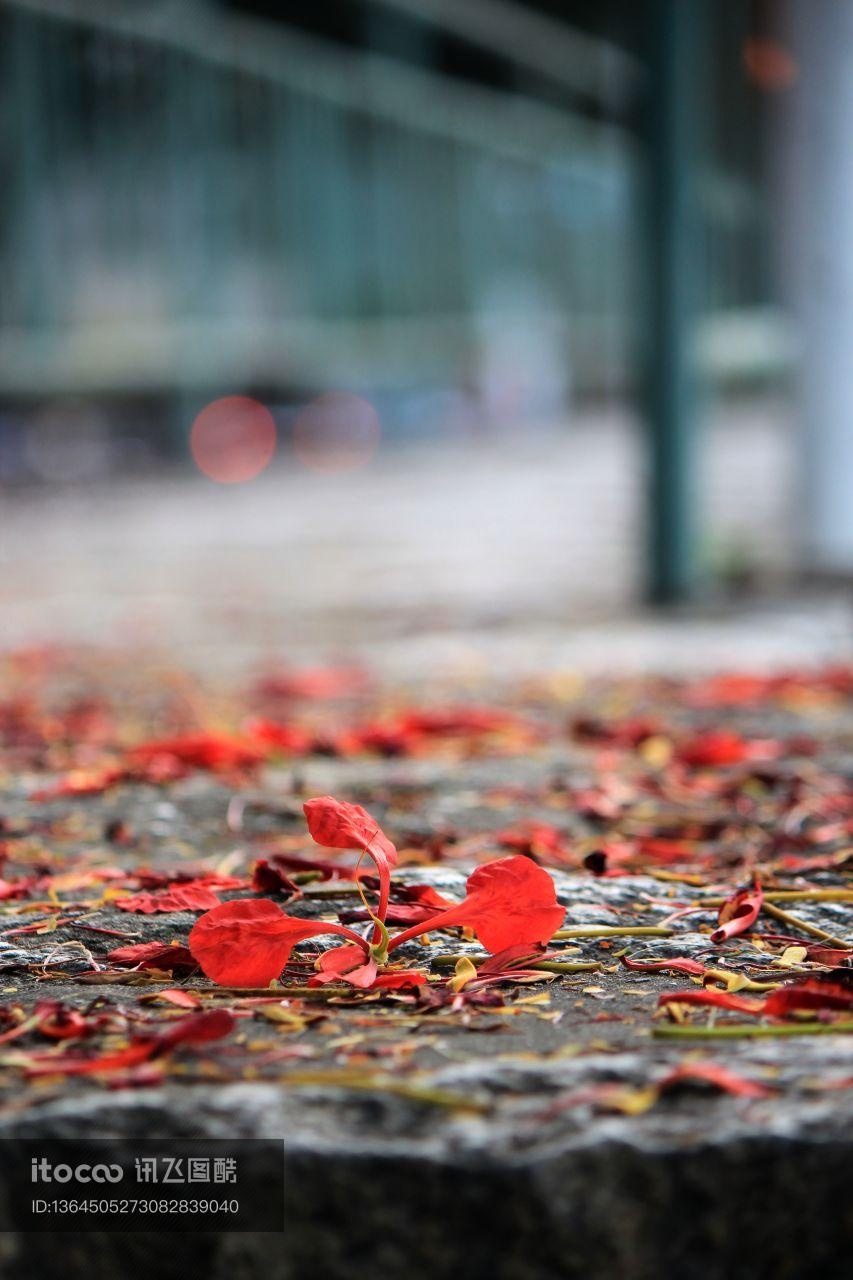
(672, 252)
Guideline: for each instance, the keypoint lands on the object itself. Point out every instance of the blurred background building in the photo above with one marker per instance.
(474, 220)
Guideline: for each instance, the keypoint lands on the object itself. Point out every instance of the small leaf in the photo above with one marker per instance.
(465, 972)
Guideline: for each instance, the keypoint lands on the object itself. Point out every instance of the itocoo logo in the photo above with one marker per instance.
(43, 1171)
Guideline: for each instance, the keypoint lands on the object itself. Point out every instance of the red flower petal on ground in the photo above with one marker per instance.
(420, 902)
(511, 958)
(327, 870)
(198, 1028)
(729, 690)
(398, 979)
(180, 897)
(535, 839)
(345, 964)
(721, 747)
(451, 721)
(718, 1076)
(510, 902)
(395, 914)
(153, 955)
(274, 736)
(267, 878)
(627, 733)
(800, 995)
(16, 888)
(820, 954)
(216, 752)
(808, 995)
(339, 825)
(424, 895)
(718, 999)
(738, 913)
(58, 1022)
(247, 944)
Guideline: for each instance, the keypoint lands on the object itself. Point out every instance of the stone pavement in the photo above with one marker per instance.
(455, 547)
(519, 1138)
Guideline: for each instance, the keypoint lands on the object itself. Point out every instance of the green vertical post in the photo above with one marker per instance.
(26, 194)
(672, 253)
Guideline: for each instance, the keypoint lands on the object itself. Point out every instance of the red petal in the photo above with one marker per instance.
(424, 894)
(510, 903)
(217, 752)
(181, 897)
(338, 825)
(267, 878)
(808, 995)
(738, 913)
(713, 1073)
(153, 955)
(213, 1024)
(345, 964)
(716, 748)
(197, 1029)
(247, 944)
(517, 904)
(719, 999)
(396, 979)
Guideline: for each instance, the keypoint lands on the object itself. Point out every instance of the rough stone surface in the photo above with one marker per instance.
(495, 1179)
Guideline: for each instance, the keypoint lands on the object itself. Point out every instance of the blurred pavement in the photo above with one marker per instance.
(526, 552)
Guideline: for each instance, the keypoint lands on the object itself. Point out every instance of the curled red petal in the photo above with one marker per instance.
(337, 824)
(340, 825)
(738, 913)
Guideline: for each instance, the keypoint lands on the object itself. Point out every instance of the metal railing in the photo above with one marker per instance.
(196, 197)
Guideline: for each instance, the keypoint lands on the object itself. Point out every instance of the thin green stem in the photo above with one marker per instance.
(791, 895)
(612, 931)
(794, 922)
(741, 1031)
(547, 966)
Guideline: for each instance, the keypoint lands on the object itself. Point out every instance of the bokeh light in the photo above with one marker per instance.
(233, 439)
(769, 64)
(336, 432)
